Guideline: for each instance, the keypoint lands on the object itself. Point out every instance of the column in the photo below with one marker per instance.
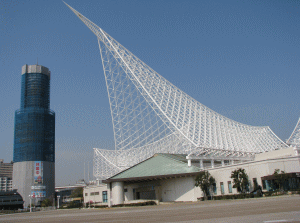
(118, 192)
(232, 162)
(201, 164)
(223, 163)
(189, 162)
(212, 163)
(108, 195)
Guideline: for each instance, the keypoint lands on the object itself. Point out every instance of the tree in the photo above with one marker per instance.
(205, 181)
(78, 192)
(240, 180)
(46, 203)
(280, 178)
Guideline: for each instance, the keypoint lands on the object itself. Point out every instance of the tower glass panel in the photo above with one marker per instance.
(34, 122)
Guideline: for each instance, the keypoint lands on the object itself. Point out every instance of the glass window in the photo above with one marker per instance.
(215, 188)
(104, 196)
(222, 188)
(86, 194)
(229, 187)
(264, 184)
(97, 193)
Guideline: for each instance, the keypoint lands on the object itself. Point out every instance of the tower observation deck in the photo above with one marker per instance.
(150, 115)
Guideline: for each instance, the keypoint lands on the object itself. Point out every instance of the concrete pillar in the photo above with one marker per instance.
(201, 164)
(118, 192)
(232, 162)
(108, 195)
(189, 162)
(212, 163)
(223, 163)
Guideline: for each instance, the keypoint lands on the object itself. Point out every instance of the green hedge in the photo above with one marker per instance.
(232, 196)
(135, 204)
(251, 195)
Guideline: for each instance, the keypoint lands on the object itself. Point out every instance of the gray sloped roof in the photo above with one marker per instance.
(160, 164)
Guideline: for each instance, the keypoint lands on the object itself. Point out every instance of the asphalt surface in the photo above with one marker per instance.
(273, 209)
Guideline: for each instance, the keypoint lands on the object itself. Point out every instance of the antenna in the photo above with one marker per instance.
(37, 61)
(88, 173)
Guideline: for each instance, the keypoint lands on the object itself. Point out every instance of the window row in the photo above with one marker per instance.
(104, 195)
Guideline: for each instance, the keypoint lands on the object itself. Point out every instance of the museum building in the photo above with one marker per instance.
(171, 177)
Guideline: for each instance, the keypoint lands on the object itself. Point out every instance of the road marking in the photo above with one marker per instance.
(283, 220)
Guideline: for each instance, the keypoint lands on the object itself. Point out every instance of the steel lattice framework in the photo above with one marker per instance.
(294, 139)
(151, 115)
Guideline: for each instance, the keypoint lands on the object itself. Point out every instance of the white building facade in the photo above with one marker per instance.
(95, 195)
(164, 185)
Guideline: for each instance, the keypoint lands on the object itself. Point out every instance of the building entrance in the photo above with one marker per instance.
(145, 193)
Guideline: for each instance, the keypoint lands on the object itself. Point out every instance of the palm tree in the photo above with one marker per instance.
(240, 180)
(205, 181)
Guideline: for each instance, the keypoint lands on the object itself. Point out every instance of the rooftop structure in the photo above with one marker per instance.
(150, 115)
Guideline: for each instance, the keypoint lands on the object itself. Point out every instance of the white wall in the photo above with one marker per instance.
(179, 189)
(23, 179)
(183, 189)
(255, 169)
(94, 198)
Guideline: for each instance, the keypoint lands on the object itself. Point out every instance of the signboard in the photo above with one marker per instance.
(38, 187)
(38, 172)
(38, 194)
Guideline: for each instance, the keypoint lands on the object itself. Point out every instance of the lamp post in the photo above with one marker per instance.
(30, 196)
(94, 197)
(58, 196)
(90, 197)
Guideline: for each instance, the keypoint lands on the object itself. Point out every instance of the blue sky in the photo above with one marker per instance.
(239, 58)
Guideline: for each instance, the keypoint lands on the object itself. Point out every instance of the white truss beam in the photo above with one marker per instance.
(151, 115)
(294, 139)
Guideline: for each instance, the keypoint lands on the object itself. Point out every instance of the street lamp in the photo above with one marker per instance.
(58, 196)
(30, 202)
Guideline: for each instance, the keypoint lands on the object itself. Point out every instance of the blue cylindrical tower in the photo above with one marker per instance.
(34, 141)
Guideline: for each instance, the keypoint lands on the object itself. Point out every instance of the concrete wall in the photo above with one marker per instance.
(94, 198)
(179, 189)
(282, 153)
(23, 178)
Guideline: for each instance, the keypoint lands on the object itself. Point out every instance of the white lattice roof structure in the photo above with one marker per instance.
(294, 139)
(150, 115)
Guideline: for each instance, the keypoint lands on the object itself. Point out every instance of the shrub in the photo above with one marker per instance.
(136, 204)
(74, 204)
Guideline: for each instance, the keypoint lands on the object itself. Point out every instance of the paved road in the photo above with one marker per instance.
(274, 209)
